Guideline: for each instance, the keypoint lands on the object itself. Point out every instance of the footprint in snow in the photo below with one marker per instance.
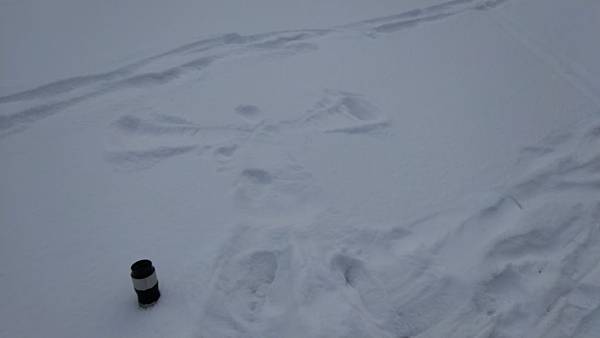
(250, 113)
(244, 285)
(267, 193)
(164, 136)
(342, 112)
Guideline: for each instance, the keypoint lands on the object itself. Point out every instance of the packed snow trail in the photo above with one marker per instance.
(382, 178)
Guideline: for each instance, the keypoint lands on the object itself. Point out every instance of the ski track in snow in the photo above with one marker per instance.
(187, 61)
(533, 252)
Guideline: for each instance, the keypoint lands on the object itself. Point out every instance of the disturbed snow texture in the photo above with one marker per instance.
(400, 176)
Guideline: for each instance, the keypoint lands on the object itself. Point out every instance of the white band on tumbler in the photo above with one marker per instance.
(145, 283)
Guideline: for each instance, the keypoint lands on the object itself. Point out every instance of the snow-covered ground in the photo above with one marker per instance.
(300, 168)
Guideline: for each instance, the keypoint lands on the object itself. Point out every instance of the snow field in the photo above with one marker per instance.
(386, 177)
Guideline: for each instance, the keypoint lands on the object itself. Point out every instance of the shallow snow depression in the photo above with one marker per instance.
(414, 169)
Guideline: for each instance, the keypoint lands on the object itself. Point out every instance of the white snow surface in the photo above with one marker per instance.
(300, 168)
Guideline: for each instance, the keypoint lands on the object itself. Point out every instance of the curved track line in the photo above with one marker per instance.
(191, 58)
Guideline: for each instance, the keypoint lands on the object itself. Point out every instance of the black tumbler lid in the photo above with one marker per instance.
(142, 269)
